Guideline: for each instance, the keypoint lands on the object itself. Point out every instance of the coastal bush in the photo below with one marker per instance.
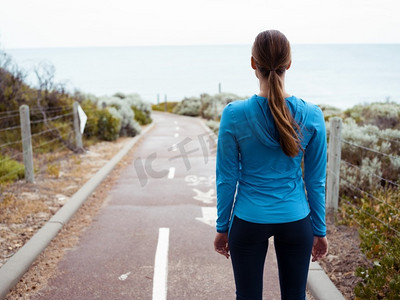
(377, 218)
(122, 111)
(213, 125)
(368, 157)
(108, 124)
(381, 114)
(330, 111)
(207, 106)
(212, 106)
(10, 169)
(188, 107)
(142, 110)
(130, 109)
(141, 117)
(93, 115)
(161, 106)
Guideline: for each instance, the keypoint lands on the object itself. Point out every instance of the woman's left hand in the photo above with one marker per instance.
(221, 244)
(320, 248)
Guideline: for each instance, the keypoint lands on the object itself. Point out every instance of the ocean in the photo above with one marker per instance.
(339, 75)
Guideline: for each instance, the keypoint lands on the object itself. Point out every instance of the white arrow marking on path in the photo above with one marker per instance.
(207, 197)
(209, 216)
(161, 265)
(194, 180)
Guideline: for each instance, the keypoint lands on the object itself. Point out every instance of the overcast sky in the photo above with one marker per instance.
(82, 23)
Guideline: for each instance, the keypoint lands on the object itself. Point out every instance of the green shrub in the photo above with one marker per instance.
(141, 117)
(93, 115)
(108, 125)
(377, 218)
(161, 106)
(10, 169)
(122, 110)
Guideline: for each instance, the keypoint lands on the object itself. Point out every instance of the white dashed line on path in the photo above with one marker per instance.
(171, 173)
(209, 216)
(161, 265)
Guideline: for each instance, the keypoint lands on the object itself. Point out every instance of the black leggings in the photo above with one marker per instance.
(248, 244)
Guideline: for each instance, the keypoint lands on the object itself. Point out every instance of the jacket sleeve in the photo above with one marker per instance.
(227, 169)
(315, 172)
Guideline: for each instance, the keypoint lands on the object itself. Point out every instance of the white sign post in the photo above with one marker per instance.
(82, 119)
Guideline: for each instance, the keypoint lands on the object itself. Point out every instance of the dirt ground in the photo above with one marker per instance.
(344, 256)
(25, 208)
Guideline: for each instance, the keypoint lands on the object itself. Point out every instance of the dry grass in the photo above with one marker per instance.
(17, 211)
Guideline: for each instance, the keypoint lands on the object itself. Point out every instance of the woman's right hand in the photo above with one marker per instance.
(221, 244)
(320, 248)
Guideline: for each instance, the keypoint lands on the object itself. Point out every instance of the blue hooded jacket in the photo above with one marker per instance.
(256, 180)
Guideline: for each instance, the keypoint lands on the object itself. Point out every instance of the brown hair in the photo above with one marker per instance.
(272, 56)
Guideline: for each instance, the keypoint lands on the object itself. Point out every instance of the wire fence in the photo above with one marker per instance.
(366, 191)
(52, 130)
(369, 149)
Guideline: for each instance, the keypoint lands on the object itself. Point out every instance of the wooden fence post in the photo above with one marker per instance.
(165, 103)
(334, 157)
(77, 127)
(26, 142)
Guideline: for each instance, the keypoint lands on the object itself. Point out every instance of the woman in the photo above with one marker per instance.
(261, 191)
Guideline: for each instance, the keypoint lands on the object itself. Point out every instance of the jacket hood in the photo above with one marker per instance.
(261, 121)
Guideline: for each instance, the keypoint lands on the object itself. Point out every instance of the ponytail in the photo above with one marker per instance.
(272, 56)
(287, 127)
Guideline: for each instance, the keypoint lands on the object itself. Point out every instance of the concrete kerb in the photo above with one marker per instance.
(320, 286)
(318, 283)
(18, 264)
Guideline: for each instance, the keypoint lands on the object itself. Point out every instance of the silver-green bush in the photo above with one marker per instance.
(123, 107)
(370, 157)
(188, 107)
(381, 114)
(206, 106)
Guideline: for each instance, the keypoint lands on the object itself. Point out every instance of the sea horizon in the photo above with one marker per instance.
(336, 74)
(188, 45)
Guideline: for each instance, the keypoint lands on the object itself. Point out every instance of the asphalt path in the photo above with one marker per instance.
(153, 239)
